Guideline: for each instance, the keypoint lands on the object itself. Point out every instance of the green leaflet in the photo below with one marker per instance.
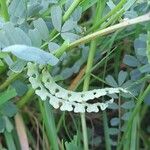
(29, 53)
(7, 95)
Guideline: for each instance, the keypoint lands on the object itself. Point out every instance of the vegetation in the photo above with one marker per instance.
(100, 49)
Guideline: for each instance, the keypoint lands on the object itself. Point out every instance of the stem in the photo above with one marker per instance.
(112, 12)
(9, 80)
(71, 9)
(106, 131)
(61, 50)
(84, 130)
(110, 29)
(4, 8)
(148, 45)
(100, 7)
(105, 119)
(48, 118)
(21, 131)
(9, 141)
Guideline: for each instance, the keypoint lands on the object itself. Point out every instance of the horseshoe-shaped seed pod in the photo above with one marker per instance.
(79, 96)
(58, 97)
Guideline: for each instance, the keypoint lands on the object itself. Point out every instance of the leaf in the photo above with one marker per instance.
(140, 42)
(87, 4)
(33, 8)
(35, 37)
(22, 37)
(111, 81)
(147, 99)
(73, 144)
(20, 87)
(126, 116)
(113, 106)
(130, 61)
(56, 15)
(18, 66)
(68, 36)
(3, 40)
(53, 47)
(113, 131)
(148, 46)
(7, 95)
(135, 74)
(9, 125)
(128, 4)
(122, 77)
(8, 109)
(2, 124)
(34, 54)
(145, 68)
(15, 35)
(8, 60)
(17, 8)
(76, 15)
(68, 26)
(128, 105)
(1, 63)
(41, 26)
(67, 72)
(115, 121)
(111, 4)
(2, 22)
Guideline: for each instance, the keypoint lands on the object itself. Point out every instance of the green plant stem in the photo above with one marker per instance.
(135, 111)
(21, 132)
(71, 9)
(148, 45)
(105, 119)
(4, 10)
(49, 122)
(84, 131)
(134, 133)
(9, 141)
(62, 49)
(106, 131)
(110, 29)
(99, 10)
(9, 80)
(112, 12)
(105, 31)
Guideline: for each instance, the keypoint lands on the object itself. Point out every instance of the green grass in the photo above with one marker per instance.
(46, 128)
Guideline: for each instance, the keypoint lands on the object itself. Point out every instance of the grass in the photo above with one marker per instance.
(51, 129)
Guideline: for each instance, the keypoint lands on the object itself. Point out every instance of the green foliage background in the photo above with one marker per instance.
(119, 59)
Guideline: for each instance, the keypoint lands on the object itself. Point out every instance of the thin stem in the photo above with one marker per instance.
(112, 12)
(84, 130)
(110, 29)
(21, 131)
(4, 9)
(9, 80)
(99, 10)
(105, 119)
(71, 9)
(9, 140)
